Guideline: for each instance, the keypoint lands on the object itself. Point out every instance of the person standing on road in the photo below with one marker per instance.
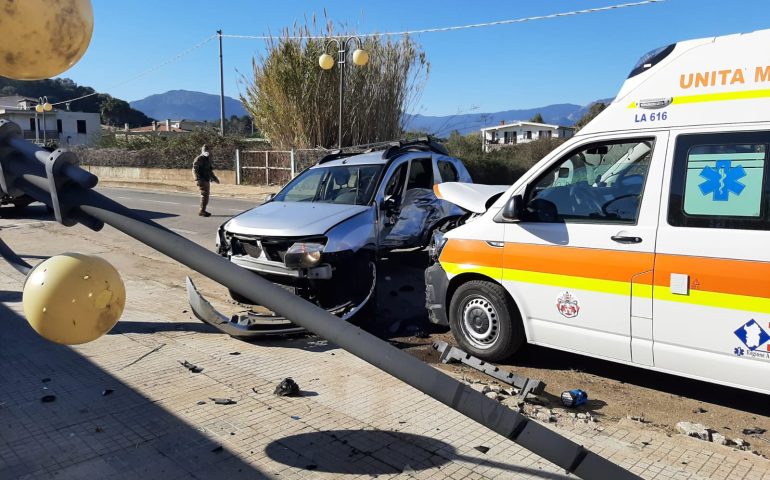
(203, 169)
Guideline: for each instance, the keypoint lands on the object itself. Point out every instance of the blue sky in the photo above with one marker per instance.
(566, 60)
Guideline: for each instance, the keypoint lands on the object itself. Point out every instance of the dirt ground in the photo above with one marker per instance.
(617, 393)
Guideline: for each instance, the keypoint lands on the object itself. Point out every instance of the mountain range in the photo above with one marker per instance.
(187, 105)
(559, 114)
(184, 104)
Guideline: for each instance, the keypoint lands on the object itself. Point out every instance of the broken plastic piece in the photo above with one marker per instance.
(223, 401)
(191, 367)
(48, 398)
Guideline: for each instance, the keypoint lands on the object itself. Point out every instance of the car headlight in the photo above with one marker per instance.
(436, 245)
(303, 255)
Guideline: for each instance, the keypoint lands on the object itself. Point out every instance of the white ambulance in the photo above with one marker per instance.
(644, 239)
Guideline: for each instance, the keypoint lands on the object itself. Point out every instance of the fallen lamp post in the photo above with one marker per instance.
(56, 180)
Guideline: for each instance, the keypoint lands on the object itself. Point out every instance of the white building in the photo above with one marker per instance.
(494, 138)
(61, 126)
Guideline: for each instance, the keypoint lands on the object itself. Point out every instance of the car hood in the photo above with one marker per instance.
(292, 219)
(468, 196)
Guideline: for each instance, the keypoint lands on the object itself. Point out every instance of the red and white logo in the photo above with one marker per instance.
(568, 305)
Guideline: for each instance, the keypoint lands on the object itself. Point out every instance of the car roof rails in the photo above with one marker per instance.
(336, 155)
(423, 144)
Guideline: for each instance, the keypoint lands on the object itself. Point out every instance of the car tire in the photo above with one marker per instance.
(485, 322)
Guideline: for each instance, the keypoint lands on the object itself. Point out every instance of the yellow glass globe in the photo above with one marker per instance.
(41, 38)
(73, 298)
(360, 57)
(326, 61)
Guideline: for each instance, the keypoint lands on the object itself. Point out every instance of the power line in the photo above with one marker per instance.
(460, 27)
(171, 60)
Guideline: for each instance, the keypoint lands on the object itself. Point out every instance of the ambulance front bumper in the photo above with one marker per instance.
(436, 284)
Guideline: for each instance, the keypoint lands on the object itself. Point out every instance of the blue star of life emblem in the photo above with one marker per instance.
(739, 351)
(722, 179)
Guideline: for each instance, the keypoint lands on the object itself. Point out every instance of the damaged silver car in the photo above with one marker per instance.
(322, 235)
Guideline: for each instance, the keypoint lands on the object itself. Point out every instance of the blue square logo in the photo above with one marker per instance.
(752, 335)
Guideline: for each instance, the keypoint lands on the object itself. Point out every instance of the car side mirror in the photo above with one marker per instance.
(511, 208)
(390, 203)
(269, 197)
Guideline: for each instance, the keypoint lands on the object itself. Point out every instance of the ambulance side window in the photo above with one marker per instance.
(720, 181)
(598, 183)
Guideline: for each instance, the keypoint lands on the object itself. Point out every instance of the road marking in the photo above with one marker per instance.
(184, 232)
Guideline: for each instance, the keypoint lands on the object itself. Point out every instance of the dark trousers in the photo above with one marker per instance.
(205, 188)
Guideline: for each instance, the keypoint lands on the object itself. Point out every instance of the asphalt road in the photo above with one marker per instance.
(179, 211)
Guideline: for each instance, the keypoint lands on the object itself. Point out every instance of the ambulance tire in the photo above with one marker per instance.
(485, 322)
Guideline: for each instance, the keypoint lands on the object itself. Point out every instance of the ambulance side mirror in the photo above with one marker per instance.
(511, 208)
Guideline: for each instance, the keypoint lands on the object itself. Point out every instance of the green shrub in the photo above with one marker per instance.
(503, 166)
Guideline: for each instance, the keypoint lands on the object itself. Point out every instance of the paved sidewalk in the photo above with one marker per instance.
(125, 408)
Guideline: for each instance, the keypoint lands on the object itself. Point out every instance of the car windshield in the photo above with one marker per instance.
(344, 184)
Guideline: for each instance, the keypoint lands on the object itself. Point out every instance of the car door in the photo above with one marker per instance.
(579, 260)
(711, 292)
(404, 223)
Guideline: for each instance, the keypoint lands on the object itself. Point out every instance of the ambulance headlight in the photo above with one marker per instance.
(436, 245)
(303, 255)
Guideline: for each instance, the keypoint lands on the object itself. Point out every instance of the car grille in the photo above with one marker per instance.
(274, 248)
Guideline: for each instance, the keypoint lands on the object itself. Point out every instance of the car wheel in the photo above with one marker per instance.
(484, 321)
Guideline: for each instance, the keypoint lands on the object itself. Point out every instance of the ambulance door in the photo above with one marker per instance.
(712, 269)
(579, 259)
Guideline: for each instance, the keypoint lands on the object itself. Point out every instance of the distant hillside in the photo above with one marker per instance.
(184, 104)
(114, 111)
(559, 114)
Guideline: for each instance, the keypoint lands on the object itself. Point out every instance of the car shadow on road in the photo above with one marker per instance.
(377, 452)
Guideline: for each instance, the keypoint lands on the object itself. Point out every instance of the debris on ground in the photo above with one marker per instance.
(287, 388)
(107, 391)
(217, 449)
(144, 356)
(48, 398)
(753, 431)
(191, 367)
(696, 430)
(700, 410)
(201, 402)
(637, 418)
(524, 385)
(295, 417)
(482, 448)
(45, 380)
(573, 398)
(98, 430)
(235, 353)
(223, 401)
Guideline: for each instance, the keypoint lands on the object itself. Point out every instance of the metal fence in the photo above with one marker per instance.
(273, 167)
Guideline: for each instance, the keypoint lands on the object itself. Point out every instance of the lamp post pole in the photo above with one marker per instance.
(360, 58)
(42, 107)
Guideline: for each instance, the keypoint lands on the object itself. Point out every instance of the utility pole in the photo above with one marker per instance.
(221, 88)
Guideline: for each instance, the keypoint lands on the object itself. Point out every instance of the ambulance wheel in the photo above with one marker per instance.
(484, 321)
